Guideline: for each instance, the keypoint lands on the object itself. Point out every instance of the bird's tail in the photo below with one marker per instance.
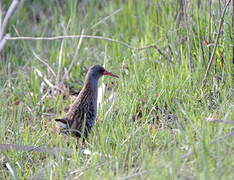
(62, 123)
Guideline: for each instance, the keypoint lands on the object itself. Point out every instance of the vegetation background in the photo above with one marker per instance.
(157, 121)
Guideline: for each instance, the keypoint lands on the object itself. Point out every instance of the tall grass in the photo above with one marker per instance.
(160, 113)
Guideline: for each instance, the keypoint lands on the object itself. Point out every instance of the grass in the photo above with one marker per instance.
(159, 115)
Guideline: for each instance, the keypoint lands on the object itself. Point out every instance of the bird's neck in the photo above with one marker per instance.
(92, 85)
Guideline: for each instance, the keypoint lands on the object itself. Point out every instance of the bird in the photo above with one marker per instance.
(82, 113)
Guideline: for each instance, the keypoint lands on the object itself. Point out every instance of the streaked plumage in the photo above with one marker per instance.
(81, 116)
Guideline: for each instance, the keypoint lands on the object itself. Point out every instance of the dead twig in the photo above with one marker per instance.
(223, 137)
(157, 48)
(80, 36)
(40, 174)
(232, 39)
(9, 13)
(70, 37)
(45, 79)
(74, 57)
(44, 62)
(12, 171)
(107, 17)
(141, 173)
(187, 155)
(152, 46)
(81, 170)
(216, 44)
(219, 121)
(6, 147)
(3, 41)
(209, 28)
(3, 24)
(58, 77)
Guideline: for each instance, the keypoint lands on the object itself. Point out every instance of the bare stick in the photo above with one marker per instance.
(9, 13)
(48, 66)
(12, 171)
(223, 137)
(80, 36)
(3, 24)
(209, 31)
(74, 57)
(137, 174)
(216, 44)
(45, 79)
(107, 17)
(220, 121)
(232, 40)
(59, 63)
(188, 32)
(5, 147)
(3, 42)
(151, 46)
(0, 15)
(187, 155)
(155, 47)
(69, 37)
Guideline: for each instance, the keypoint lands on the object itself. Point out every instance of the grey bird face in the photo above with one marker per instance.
(97, 71)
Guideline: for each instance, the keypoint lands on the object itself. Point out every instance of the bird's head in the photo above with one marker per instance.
(97, 71)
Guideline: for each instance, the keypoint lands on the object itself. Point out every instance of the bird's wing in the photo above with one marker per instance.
(77, 110)
(67, 121)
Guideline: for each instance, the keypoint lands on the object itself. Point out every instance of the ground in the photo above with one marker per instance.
(159, 120)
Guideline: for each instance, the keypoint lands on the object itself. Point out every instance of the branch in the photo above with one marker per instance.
(47, 65)
(223, 137)
(3, 41)
(74, 57)
(137, 174)
(70, 37)
(107, 17)
(81, 36)
(5, 147)
(232, 39)
(220, 121)
(45, 79)
(187, 155)
(44, 149)
(216, 44)
(9, 13)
